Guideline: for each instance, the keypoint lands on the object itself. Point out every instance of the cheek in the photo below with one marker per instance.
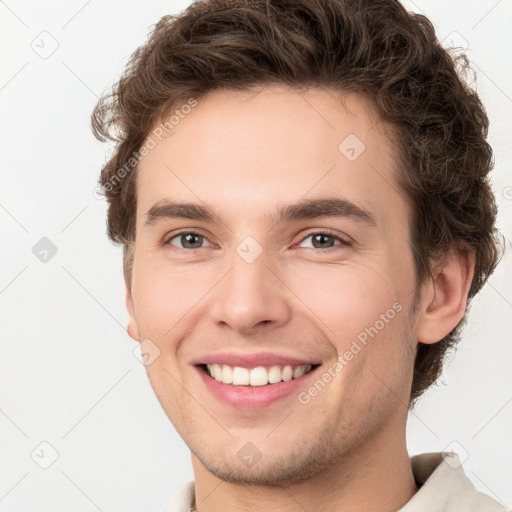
(166, 296)
(345, 299)
(362, 314)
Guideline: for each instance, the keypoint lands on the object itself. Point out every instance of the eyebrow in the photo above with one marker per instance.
(303, 210)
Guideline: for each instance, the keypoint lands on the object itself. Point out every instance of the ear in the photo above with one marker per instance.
(445, 297)
(133, 328)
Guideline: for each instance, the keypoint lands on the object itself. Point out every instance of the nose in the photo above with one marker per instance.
(251, 297)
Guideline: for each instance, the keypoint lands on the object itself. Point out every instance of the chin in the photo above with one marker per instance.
(269, 470)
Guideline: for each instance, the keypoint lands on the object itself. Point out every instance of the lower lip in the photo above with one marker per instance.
(252, 397)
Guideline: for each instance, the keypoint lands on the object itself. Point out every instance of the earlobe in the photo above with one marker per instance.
(132, 328)
(443, 308)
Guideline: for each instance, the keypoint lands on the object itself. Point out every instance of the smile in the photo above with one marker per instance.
(258, 376)
(254, 388)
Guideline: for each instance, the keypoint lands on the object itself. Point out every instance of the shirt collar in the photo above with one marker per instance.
(444, 487)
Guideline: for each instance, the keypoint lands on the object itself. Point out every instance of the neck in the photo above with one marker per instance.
(376, 477)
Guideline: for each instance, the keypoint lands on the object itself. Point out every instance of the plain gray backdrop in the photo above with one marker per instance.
(80, 427)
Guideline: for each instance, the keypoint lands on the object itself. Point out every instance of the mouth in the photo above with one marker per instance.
(257, 376)
(257, 387)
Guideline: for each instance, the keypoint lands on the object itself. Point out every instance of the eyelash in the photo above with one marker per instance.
(343, 243)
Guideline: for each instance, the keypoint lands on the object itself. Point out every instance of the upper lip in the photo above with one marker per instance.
(252, 360)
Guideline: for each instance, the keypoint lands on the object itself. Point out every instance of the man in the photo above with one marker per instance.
(301, 192)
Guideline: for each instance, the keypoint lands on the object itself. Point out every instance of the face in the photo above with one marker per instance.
(266, 282)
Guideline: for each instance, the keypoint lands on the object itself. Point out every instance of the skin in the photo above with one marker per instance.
(245, 154)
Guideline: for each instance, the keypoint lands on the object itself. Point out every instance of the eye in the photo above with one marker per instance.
(192, 241)
(189, 239)
(320, 240)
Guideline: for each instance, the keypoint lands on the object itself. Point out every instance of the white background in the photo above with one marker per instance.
(67, 369)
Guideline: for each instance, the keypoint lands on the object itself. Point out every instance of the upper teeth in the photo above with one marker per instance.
(259, 376)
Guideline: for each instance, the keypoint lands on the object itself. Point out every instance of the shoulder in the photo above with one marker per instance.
(183, 501)
(445, 487)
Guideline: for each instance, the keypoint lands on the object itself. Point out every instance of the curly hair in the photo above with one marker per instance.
(371, 47)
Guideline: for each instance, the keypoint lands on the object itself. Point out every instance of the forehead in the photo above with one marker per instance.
(243, 152)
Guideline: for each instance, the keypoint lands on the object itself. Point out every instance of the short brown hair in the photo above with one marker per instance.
(375, 48)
